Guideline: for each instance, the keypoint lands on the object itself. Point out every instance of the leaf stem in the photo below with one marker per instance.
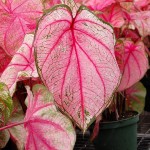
(11, 125)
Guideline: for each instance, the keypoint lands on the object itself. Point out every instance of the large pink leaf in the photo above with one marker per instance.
(4, 60)
(114, 15)
(19, 17)
(22, 66)
(134, 64)
(47, 128)
(75, 59)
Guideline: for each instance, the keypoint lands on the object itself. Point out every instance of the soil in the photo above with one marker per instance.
(128, 114)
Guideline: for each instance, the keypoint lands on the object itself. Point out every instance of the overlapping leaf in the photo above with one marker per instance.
(47, 128)
(4, 138)
(22, 66)
(19, 17)
(132, 34)
(75, 59)
(114, 15)
(141, 3)
(17, 133)
(141, 21)
(4, 60)
(6, 104)
(134, 63)
(96, 4)
(50, 3)
(135, 97)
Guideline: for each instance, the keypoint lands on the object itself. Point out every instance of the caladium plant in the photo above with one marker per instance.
(82, 63)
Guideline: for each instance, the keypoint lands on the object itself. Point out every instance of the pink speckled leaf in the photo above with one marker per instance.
(19, 17)
(114, 15)
(47, 128)
(22, 66)
(76, 61)
(135, 63)
(4, 60)
(141, 20)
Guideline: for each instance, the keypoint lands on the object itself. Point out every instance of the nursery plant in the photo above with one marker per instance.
(68, 63)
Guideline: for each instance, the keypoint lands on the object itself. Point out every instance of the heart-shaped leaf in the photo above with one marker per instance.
(76, 61)
(47, 128)
(19, 17)
(22, 66)
(134, 63)
(6, 104)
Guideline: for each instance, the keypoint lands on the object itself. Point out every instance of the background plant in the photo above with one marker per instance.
(74, 54)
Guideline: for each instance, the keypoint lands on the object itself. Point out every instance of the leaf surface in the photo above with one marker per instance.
(19, 18)
(75, 59)
(47, 129)
(134, 64)
(22, 65)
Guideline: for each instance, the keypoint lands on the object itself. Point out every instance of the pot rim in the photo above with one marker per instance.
(120, 123)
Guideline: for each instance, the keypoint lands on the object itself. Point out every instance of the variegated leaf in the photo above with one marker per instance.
(76, 61)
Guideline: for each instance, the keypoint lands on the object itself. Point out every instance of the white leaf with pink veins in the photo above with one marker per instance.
(76, 61)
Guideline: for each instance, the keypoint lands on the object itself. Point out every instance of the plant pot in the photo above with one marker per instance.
(118, 135)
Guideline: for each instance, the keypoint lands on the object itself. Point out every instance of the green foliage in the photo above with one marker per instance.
(6, 104)
(136, 97)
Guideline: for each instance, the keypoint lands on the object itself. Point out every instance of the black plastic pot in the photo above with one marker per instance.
(118, 135)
